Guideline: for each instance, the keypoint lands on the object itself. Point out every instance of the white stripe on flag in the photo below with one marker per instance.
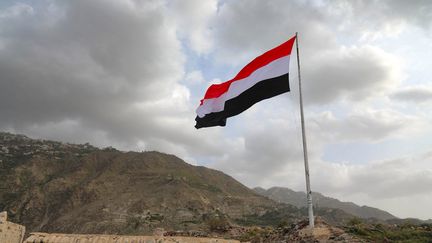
(274, 69)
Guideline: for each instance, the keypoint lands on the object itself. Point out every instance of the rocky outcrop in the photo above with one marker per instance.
(55, 187)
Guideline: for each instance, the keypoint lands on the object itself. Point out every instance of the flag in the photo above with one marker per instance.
(264, 77)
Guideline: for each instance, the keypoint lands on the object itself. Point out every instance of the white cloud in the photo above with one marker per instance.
(416, 94)
(193, 18)
(352, 73)
(331, 71)
(16, 10)
(379, 183)
(380, 19)
(246, 28)
(194, 77)
(367, 124)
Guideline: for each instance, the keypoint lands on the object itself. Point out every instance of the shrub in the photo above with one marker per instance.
(355, 221)
(218, 224)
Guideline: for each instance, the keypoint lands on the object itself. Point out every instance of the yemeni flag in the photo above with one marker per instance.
(266, 76)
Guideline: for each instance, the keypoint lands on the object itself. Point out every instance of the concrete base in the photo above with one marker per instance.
(316, 232)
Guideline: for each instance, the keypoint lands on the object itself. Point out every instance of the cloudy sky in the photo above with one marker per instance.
(129, 74)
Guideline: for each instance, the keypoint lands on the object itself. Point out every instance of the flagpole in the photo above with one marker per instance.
(305, 155)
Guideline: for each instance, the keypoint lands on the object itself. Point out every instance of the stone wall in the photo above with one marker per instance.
(72, 238)
(14, 233)
(10, 232)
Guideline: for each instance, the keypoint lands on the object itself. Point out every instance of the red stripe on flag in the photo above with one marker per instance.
(216, 90)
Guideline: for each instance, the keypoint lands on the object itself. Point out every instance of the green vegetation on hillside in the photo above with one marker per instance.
(56, 187)
(390, 233)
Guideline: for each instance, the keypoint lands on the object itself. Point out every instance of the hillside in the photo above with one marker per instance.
(56, 187)
(298, 199)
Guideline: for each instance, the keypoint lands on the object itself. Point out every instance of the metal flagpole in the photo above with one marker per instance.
(306, 164)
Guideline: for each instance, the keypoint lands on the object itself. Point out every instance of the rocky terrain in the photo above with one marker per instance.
(57, 187)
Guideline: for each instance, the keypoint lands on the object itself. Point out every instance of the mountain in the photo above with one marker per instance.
(57, 187)
(298, 199)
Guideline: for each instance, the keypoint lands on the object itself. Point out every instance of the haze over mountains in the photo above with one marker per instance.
(298, 199)
(57, 187)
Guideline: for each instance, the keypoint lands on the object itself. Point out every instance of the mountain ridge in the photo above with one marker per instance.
(57, 187)
(77, 188)
(298, 199)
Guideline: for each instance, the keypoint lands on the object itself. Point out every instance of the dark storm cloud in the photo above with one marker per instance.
(106, 72)
(90, 62)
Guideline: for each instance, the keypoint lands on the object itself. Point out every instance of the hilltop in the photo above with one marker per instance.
(56, 187)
